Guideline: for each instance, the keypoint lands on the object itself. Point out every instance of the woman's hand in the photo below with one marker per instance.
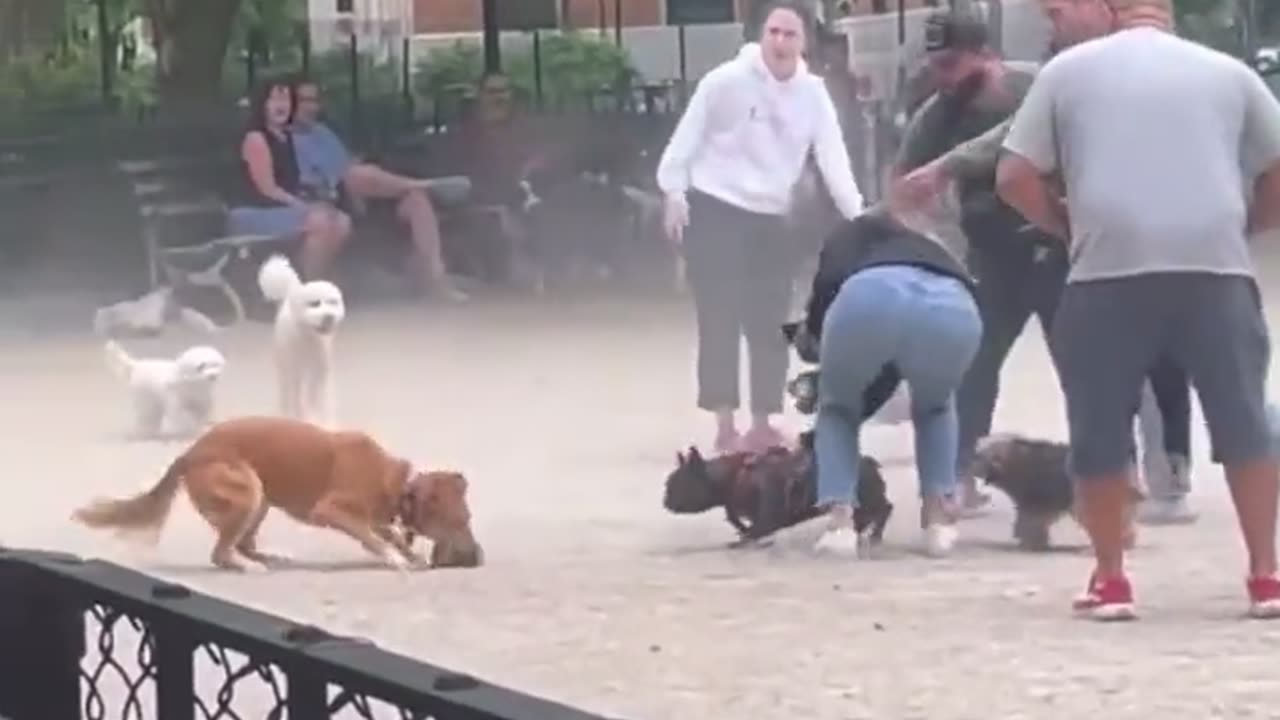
(675, 217)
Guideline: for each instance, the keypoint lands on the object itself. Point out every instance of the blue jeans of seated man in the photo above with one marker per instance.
(925, 323)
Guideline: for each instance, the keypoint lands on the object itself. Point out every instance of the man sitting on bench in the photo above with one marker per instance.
(326, 164)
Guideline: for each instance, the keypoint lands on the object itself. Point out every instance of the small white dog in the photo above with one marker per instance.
(306, 323)
(171, 397)
(148, 315)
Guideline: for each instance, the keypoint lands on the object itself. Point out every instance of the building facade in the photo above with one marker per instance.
(463, 16)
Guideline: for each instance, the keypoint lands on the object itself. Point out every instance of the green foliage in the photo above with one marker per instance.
(574, 66)
(39, 89)
(1209, 22)
(380, 96)
(1195, 7)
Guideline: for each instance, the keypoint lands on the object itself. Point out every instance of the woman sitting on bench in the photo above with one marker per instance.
(269, 199)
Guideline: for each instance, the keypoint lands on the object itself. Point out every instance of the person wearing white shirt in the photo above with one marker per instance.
(728, 174)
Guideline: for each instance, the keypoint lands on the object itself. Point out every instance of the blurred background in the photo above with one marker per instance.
(90, 88)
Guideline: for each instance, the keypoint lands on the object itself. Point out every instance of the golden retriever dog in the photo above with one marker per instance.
(239, 469)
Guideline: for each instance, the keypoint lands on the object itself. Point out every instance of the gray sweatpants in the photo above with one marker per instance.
(740, 267)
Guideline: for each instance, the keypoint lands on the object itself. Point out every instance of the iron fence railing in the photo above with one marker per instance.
(90, 639)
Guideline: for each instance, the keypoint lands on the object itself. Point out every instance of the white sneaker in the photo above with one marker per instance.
(839, 541)
(939, 539)
(1166, 511)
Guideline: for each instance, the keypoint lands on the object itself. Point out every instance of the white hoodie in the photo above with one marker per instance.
(746, 135)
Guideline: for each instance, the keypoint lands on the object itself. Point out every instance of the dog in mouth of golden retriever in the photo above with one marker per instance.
(240, 469)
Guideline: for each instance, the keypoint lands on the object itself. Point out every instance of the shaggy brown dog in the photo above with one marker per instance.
(1034, 474)
(346, 481)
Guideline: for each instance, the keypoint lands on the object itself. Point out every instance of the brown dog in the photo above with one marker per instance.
(1034, 474)
(346, 481)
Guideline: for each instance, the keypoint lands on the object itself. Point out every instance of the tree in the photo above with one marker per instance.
(191, 38)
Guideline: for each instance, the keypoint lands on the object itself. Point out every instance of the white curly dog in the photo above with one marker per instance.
(172, 397)
(306, 323)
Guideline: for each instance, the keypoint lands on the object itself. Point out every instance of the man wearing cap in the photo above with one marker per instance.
(1170, 155)
(1019, 268)
(1164, 415)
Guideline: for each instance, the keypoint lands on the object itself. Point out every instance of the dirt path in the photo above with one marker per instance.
(567, 419)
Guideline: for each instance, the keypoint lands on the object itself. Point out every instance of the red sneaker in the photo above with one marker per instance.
(1264, 597)
(1106, 600)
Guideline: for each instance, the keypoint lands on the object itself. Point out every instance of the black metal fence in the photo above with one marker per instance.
(94, 640)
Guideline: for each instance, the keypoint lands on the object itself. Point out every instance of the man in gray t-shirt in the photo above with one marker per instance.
(1165, 412)
(1156, 141)
(976, 91)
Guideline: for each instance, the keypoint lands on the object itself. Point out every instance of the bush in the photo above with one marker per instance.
(39, 86)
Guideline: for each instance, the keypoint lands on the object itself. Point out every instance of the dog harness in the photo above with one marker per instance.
(771, 490)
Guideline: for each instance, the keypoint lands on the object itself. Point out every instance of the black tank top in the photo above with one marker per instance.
(284, 166)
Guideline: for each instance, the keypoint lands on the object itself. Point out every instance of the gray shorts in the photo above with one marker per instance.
(1109, 334)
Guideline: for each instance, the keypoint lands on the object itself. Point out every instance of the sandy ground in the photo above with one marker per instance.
(567, 416)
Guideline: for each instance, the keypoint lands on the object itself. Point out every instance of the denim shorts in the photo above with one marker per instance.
(1109, 334)
(279, 220)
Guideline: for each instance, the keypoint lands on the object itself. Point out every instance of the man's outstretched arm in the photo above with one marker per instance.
(976, 158)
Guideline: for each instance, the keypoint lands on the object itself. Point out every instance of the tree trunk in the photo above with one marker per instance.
(191, 38)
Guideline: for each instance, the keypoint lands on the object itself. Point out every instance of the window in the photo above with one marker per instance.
(527, 14)
(695, 12)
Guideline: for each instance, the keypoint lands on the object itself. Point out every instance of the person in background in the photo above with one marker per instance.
(1020, 270)
(842, 85)
(1165, 413)
(1163, 187)
(891, 301)
(329, 168)
(500, 152)
(270, 196)
(727, 175)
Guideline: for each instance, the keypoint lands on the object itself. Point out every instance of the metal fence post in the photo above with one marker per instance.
(537, 70)
(42, 641)
(106, 54)
(406, 78)
(683, 53)
(353, 63)
(304, 44)
(175, 660)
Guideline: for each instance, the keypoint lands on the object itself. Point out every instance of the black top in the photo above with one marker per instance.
(947, 120)
(284, 166)
(871, 240)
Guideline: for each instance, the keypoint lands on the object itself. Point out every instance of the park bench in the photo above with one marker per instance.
(183, 222)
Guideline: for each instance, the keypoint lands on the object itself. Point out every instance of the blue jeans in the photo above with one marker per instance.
(928, 326)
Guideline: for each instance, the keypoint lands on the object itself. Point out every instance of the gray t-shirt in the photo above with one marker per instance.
(1158, 141)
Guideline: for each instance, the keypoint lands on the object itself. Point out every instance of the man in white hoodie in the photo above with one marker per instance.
(728, 174)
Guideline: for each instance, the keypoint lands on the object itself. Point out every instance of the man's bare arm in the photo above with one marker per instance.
(1264, 212)
(976, 158)
(1020, 184)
